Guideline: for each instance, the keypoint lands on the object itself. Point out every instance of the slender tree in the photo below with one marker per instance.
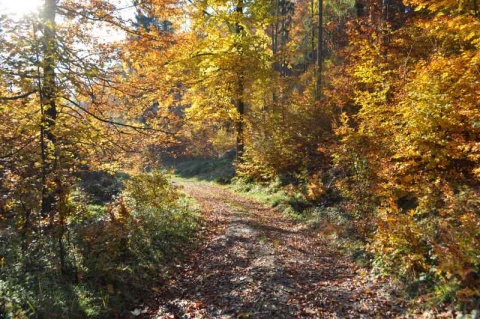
(319, 59)
(66, 101)
(240, 102)
(224, 60)
(48, 97)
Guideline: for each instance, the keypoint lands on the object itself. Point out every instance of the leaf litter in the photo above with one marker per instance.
(255, 262)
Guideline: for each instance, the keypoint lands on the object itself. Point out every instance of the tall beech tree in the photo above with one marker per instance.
(68, 101)
(48, 104)
(225, 62)
(320, 49)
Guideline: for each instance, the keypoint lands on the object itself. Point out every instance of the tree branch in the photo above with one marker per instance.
(115, 123)
(14, 152)
(17, 97)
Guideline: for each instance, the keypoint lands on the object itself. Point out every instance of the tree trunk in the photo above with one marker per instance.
(318, 86)
(48, 108)
(240, 103)
(239, 125)
(276, 66)
(312, 12)
(275, 36)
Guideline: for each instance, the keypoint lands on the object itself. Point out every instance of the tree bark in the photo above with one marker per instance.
(48, 107)
(239, 125)
(276, 67)
(312, 12)
(240, 103)
(318, 85)
(275, 36)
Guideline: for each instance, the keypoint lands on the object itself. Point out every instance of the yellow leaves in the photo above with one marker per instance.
(419, 5)
(476, 171)
(368, 74)
(437, 111)
(399, 243)
(393, 206)
(344, 128)
(110, 167)
(233, 114)
(224, 65)
(439, 7)
(453, 31)
(315, 188)
(418, 135)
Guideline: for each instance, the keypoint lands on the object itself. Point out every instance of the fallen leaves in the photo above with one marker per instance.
(256, 263)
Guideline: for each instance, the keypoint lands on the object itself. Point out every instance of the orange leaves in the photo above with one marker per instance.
(315, 188)
(440, 7)
(410, 152)
(434, 112)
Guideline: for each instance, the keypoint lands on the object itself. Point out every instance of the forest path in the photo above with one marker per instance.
(257, 263)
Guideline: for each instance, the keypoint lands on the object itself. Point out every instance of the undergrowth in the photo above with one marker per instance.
(220, 170)
(274, 194)
(113, 255)
(404, 249)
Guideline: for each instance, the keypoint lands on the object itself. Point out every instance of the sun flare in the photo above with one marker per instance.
(19, 7)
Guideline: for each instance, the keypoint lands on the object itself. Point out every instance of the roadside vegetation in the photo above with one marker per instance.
(331, 213)
(114, 253)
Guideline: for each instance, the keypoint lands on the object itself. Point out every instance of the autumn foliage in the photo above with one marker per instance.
(370, 107)
(410, 139)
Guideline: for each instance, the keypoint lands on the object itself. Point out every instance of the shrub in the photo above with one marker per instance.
(439, 239)
(112, 254)
(147, 226)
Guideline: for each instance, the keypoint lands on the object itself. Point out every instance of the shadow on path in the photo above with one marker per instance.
(257, 263)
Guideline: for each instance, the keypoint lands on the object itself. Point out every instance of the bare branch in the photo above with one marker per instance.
(115, 123)
(14, 152)
(17, 97)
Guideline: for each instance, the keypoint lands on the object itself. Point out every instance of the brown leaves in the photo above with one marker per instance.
(261, 265)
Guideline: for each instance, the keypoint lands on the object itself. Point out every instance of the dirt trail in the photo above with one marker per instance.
(257, 263)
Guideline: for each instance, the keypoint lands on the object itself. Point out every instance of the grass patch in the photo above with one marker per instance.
(220, 170)
(273, 194)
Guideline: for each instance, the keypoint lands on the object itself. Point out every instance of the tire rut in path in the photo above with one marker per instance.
(257, 263)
